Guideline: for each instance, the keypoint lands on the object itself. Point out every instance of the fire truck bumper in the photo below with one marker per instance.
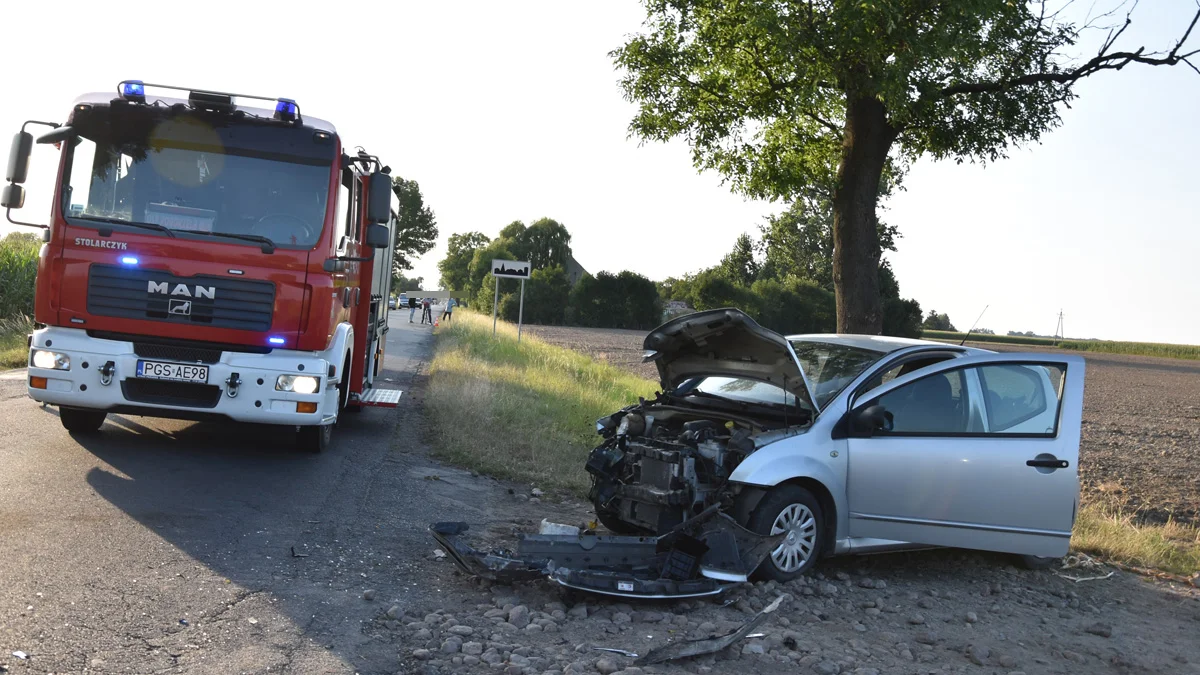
(69, 368)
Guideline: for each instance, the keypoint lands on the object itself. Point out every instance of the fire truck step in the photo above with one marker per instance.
(383, 398)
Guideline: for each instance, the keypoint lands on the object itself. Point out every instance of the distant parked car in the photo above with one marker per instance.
(391, 303)
(846, 443)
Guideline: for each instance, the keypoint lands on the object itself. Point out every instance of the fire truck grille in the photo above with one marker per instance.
(219, 302)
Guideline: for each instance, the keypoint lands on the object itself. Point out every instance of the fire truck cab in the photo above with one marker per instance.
(207, 260)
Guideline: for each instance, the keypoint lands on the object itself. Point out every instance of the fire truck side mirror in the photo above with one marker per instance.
(379, 204)
(13, 197)
(18, 158)
(378, 236)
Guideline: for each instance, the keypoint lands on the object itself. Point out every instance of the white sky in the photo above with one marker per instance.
(506, 111)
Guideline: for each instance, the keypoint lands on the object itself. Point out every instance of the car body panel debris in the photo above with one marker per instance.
(689, 648)
(701, 556)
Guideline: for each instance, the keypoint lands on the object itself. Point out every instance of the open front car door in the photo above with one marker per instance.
(980, 452)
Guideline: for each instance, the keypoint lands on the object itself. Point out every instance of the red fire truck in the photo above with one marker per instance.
(207, 260)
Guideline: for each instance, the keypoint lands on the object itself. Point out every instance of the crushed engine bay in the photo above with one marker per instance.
(662, 462)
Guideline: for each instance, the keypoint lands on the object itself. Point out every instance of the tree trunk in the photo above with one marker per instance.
(868, 138)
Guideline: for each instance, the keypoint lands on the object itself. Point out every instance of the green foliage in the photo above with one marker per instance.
(739, 265)
(18, 270)
(624, 300)
(416, 226)
(546, 243)
(935, 321)
(901, 318)
(479, 273)
(401, 283)
(799, 241)
(793, 306)
(546, 296)
(455, 268)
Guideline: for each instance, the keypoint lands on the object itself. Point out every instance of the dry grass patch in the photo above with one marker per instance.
(520, 411)
(1111, 532)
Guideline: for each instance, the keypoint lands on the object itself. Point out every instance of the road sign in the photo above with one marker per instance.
(514, 269)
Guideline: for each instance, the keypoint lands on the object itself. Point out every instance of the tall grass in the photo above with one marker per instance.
(1161, 349)
(520, 411)
(1114, 533)
(18, 268)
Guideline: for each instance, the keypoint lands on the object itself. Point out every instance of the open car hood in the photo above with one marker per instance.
(725, 343)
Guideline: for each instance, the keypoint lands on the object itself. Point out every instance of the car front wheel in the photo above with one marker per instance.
(794, 512)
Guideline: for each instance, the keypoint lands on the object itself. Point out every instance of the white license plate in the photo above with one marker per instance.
(180, 372)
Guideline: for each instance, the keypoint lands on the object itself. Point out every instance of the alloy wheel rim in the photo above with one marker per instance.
(795, 521)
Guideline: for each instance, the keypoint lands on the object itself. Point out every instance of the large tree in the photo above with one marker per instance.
(739, 265)
(416, 226)
(455, 268)
(783, 95)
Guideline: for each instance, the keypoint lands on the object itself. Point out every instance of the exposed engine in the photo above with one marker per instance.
(659, 465)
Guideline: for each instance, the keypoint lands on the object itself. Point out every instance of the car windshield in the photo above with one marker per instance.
(738, 389)
(829, 366)
(198, 173)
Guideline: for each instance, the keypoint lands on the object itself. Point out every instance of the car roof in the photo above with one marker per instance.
(885, 344)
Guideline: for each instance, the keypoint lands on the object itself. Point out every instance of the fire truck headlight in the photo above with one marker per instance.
(300, 384)
(50, 360)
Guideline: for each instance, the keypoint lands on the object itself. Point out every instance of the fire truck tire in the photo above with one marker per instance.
(315, 439)
(79, 421)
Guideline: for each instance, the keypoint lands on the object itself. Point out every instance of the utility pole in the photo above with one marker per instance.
(1059, 331)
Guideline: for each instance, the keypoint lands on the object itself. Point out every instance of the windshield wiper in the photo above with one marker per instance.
(117, 221)
(268, 246)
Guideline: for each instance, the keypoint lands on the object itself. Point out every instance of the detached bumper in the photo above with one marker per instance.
(240, 386)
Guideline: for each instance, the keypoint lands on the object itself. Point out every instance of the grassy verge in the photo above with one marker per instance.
(1191, 352)
(521, 411)
(13, 347)
(1114, 533)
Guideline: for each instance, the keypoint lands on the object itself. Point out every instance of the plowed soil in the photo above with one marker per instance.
(1141, 420)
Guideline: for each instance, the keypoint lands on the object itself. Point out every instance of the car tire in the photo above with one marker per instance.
(793, 509)
(315, 439)
(79, 421)
(1037, 562)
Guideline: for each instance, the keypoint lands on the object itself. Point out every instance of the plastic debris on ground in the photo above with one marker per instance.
(702, 556)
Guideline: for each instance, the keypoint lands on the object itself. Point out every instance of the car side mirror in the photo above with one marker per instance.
(379, 206)
(378, 236)
(18, 158)
(864, 422)
(13, 197)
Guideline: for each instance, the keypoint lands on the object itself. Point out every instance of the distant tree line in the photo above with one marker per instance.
(785, 279)
(607, 300)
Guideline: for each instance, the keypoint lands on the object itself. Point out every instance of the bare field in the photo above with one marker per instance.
(1141, 421)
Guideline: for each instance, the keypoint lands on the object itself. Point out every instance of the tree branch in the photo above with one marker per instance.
(1102, 61)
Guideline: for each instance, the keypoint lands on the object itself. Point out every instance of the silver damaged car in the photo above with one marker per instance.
(846, 443)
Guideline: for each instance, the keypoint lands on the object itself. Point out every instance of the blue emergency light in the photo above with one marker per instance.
(275, 340)
(133, 90)
(128, 260)
(286, 110)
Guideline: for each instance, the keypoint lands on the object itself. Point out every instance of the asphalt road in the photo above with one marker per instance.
(167, 546)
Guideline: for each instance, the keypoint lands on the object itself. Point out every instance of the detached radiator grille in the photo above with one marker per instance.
(220, 302)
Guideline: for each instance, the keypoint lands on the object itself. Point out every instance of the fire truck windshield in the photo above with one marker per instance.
(199, 172)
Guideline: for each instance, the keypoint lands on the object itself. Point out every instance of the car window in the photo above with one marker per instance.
(1021, 398)
(829, 367)
(899, 369)
(934, 404)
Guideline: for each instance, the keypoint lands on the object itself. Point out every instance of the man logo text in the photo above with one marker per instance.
(164, 288)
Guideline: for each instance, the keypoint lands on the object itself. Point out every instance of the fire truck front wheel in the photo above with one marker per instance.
(80, 421)
(315, 439)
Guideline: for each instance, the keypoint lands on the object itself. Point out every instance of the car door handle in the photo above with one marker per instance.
(1052, 463)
